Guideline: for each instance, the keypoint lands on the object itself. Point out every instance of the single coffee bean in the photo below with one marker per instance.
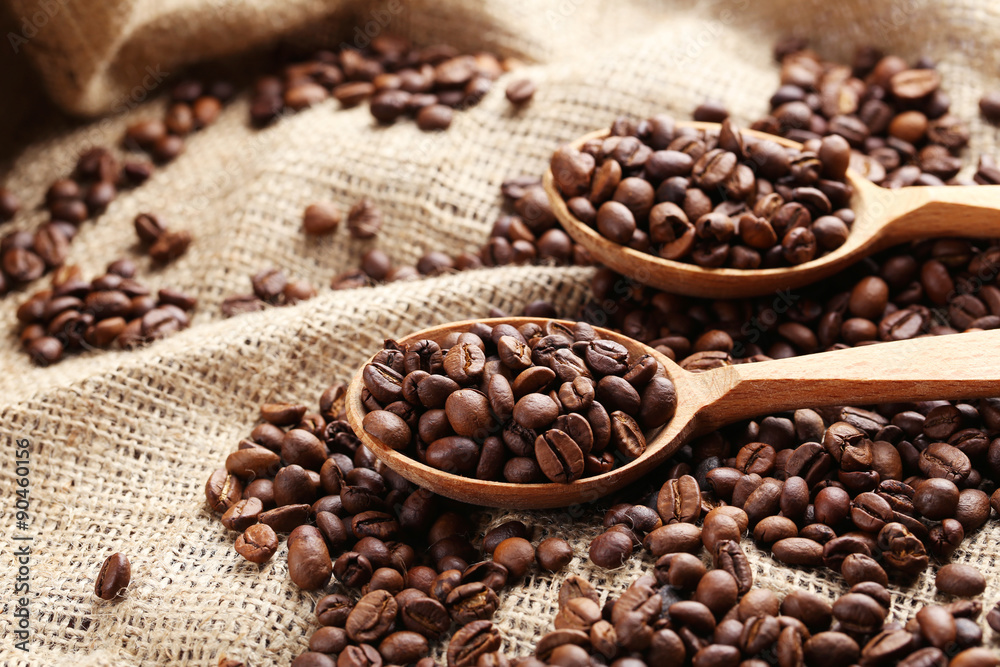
(960, 580)
(114, 577)
(516, 554)
(553, 554)
(936, 625)
(611, 549)
(472, 641)
(257, 543)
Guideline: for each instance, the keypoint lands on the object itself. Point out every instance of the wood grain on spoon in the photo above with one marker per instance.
(959, 366)
(883, 218)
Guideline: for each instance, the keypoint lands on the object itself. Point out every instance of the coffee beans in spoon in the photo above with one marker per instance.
(531, 404)
(715, 199)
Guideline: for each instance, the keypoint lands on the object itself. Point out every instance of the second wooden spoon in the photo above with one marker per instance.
(959, 366)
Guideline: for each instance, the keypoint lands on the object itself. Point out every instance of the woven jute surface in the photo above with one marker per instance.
(121, 443)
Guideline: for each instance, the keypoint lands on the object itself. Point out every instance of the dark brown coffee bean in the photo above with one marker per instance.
(472, 641)
(553, 554)
(243, 514)
(828, 649)
(403, 647)
(729, 556)
(611, 549)
(516, 554)
(936, 498)
(471, 601)
(114, 577)
(798, 551)
(372, 617)
(936, 625)
(672, 538)
(223, 490)
(679, 500)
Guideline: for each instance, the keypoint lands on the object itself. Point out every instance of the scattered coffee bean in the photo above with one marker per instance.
(520, 91)
(114, 578)
(321, 218)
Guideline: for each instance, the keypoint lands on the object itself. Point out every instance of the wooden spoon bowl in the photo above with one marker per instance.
(944, 367)
(884, 218)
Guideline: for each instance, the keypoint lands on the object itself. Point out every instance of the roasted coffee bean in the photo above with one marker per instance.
(611, 549)
(243, 514)
(516, 554)
(223, 490)
(553, 554)
(960, 579)
(936, 498)
(679, 500)
(729, 556)
(114, 577)
(372, 617)
(472, 641)
(309, 564)
(258, 543)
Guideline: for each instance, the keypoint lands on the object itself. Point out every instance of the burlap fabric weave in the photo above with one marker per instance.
(122, 442)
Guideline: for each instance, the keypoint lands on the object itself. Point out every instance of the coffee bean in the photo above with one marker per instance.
(936, 625)
(258, 543)
(364, 220)
(960, 579)
(553, 554)
(611, 549)
(828, 649)
(309, 564)
(321, 218)
(936, 498)
(679, 500)
(516, 554)
(114, 578)
(520, 91)
(403, 647)
(505, 530)
(472, 641)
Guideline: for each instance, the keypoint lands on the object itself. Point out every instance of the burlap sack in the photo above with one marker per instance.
(122, 443)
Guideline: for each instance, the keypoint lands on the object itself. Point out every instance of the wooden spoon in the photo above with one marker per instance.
(959, 366)
(883, 218)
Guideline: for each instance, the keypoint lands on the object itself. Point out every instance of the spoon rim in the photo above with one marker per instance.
(506, 492)
(591, 238)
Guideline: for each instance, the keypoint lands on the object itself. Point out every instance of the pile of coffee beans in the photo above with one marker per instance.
(271, 287)
(894, 114)
(866, 493)
(194, 105)
(161, 243)
(714, 199)
(683, 614)
(404, 556)
(26, 256)
(530, 404)
(112, 310)
(396, 78)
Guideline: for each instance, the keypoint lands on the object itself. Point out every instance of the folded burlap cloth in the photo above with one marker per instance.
(121, 443)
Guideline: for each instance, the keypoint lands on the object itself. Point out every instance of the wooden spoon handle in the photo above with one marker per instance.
(939, 367)
(928, 212)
